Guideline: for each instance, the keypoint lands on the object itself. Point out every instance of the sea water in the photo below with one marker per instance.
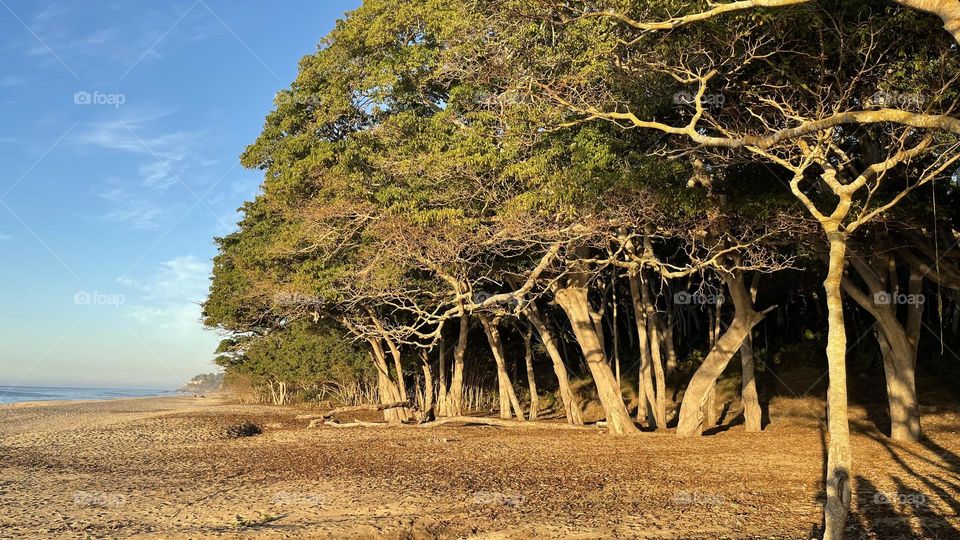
(17, 394)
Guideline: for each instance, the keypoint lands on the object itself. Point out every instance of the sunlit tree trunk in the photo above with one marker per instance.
(838, 450)
(387, 390)
(454, 399)
(575, 302)
(693, 417)
(656, 360)
(442, 379)
(752, 414)
(645, 390)
(508, 398)
(428, 412)
(531, 376)
(570, 405)
(898, 342)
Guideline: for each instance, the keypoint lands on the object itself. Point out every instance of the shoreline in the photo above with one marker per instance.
(223, 396)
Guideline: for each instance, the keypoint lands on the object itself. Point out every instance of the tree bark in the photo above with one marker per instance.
(838, 451)
(653, 328)
(752, 413)
(692, 416)
(442, 379)
(386, 388)
(645, 391)
(531, 376)
(454, 400)
(394, 352)
(667, 333)
(428, 413)
(570, 405)
(898, 342)
(576, 304)
(508, 397)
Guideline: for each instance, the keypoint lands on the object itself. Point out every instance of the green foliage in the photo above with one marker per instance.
(301, 355)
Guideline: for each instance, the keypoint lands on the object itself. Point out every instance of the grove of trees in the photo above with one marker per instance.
(618, 199)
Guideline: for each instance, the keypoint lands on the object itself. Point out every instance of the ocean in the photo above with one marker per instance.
(17, 394)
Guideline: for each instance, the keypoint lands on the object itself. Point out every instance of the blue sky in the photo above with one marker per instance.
(122, 123)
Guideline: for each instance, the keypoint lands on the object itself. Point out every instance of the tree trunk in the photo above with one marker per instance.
(660, 401)
(692, 417)
(508, 397)
(386, 388)
(898, 342)
(645, 390)
(442, 379)
(667, 333)
(531, 378)
(710, 408)
(427, 387)
(838, 451)
(752, 414)
(394, 352)
(454, 399)
(576, 304)
(570, 405)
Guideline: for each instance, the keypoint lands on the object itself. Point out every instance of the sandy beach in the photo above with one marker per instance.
(162, 468)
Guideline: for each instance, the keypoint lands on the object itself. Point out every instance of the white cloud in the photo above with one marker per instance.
(4, 237)
(162, 160)
(169, 300)
(139, 213)
(163, 154)
(101, 44)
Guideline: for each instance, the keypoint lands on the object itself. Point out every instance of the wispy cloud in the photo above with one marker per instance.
(139, 213)
(94, 45)
(164, 154)
(4, 237)
(170, 299)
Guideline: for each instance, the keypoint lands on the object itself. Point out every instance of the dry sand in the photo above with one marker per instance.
(162, 468)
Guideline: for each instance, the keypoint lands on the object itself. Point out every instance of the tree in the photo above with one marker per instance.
(832, 146)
